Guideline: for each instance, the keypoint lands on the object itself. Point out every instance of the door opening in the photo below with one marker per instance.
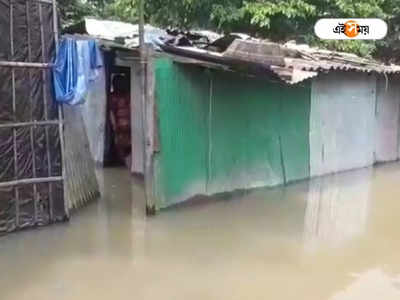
(118, 148)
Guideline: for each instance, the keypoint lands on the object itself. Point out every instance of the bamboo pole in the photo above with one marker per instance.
(146, 107)
(17, 64)
(30, 181)
(60, 114)
(16, 192)
(149, 133)
(42, 41)
(28, 23)
(33, 123)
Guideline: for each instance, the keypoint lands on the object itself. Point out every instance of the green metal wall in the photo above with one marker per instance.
(182, 103)
(221, 131)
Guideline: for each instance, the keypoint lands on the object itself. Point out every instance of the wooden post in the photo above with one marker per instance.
(148, 109)
(14, 107)
(149, 133)
(31, 133)
(60, 114)
(48, 157)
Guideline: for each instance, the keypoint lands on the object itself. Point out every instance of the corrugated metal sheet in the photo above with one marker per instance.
(290, 62)
(80, 183)
(342, 122)
(181, 164)
(221, 132)
(244, 134)
(387, 119)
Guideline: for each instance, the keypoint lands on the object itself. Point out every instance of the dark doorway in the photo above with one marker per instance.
(118, 118)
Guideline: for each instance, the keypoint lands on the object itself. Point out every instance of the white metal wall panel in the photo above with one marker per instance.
(342, 122)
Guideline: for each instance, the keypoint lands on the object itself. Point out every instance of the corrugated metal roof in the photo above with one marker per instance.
(292, 63)
(302, 62)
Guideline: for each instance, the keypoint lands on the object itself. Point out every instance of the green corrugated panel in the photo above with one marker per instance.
(245, 148)
(182, 100)
(294, 129)
(258, 134)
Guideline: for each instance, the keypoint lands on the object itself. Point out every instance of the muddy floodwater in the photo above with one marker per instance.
(334, 238)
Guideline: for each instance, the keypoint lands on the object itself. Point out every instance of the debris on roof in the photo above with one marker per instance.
(290, 62)
(125, 34)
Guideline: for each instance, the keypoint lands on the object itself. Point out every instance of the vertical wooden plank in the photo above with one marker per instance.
(60, 114)
(149, 130)
(14, 115)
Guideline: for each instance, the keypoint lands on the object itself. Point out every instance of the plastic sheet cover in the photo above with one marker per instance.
(76, 68)
(28, 153)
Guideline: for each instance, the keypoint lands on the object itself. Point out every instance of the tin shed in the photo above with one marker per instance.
(317, 112)
(254, 114)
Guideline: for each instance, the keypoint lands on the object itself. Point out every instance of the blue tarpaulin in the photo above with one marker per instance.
(76, 67)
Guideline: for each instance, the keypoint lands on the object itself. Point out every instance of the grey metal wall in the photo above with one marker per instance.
(387, 119)
(342, 122)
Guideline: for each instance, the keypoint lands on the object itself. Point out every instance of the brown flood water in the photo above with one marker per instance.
(333, 238)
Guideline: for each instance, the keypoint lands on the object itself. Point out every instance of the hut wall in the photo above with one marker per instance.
(258, 133)
(80, 182)
(387, 119)
(182, 96)
(221, 132)
(342, 122)
(31, 162)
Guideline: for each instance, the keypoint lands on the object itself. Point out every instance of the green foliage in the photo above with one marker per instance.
(277, 20)
(122, 10)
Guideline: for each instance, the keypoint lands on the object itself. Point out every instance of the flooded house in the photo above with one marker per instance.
(236, 113)
(212, 114)
(280, 114)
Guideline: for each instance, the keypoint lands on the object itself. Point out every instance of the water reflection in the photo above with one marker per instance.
(371, 284)
(337, 208)
(253, 245)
